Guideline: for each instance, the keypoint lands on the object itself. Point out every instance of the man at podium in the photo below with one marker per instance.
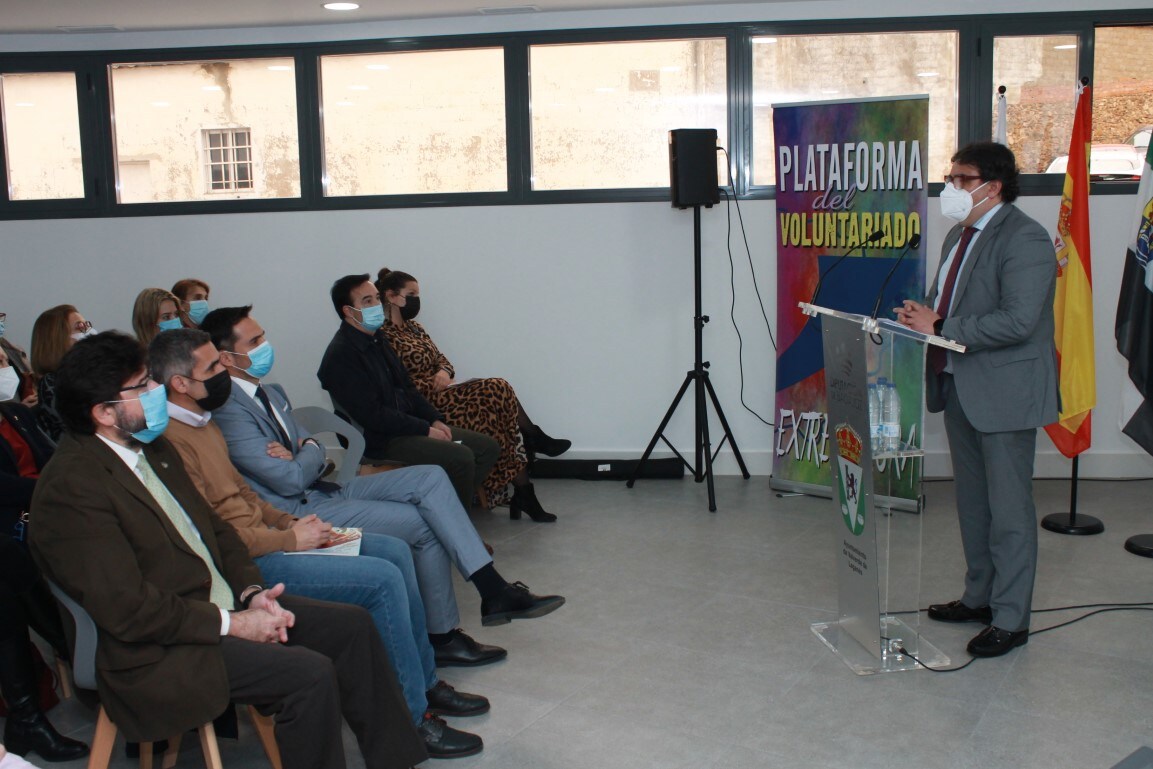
(993, 293)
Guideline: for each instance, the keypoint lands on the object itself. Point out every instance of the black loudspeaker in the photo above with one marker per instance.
(693, 167)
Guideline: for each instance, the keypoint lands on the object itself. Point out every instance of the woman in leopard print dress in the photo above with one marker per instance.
(487, 406)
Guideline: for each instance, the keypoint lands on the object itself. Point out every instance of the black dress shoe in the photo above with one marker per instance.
(443, 700)
(955, 611)
(463, 651)
(27, 730)
(442, 741)
(993, 641)
(516, 602)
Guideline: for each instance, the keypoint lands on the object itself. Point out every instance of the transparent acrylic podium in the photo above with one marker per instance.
(878, 552)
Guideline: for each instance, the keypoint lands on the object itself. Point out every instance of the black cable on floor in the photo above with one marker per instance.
(1108, 607)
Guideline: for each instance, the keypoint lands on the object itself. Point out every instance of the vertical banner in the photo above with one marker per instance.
(851, 182)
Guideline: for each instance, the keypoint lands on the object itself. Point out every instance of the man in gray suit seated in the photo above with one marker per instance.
(282, 462)
(993, 293)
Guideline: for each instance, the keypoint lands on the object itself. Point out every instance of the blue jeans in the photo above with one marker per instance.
(382, 579)
(418, 505)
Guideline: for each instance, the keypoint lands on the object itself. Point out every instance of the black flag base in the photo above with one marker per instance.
(1140, 544)
(1072, 523)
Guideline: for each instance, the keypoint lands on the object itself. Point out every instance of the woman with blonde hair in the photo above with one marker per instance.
(155, 310)
(53, 334)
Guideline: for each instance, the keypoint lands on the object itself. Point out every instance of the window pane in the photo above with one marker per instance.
(42, 135)
(1040, 78)
(602, 112)
(413, 123)
(179, 121)
(1122, 93)
(830, 67)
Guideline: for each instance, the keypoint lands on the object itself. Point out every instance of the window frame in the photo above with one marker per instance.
(974, 94)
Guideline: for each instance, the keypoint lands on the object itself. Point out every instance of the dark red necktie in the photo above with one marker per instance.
(937, 354)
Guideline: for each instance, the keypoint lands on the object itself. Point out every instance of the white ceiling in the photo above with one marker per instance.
(47, 16)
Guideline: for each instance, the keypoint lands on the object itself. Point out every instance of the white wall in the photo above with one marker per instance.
(587, 309)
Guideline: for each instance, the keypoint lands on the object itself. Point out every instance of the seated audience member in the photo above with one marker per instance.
(17, 360)
(369, 383)
(488, 406)
(193, 296)
(54, 332)
(283, 463)
(186, 623)
(381, 579)
(155, 310)
(24, 597)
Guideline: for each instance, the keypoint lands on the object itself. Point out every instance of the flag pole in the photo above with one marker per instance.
(1069, 523)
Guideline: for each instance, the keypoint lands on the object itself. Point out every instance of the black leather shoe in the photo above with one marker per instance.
(516, 602)
(27, 730)
(955, 611)
(463, 651)
(993, 641)
(442, 741)
(443, 700)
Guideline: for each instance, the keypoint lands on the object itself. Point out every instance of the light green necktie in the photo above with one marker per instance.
(221, 592)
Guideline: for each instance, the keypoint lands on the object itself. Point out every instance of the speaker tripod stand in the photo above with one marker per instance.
(698, 377)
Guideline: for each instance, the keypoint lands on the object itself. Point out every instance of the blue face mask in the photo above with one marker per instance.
(197, 309)
(170, 325)
(260, 359)
(371, 318)
(155, 405)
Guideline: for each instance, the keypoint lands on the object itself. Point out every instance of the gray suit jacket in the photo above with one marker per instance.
(1003, 313)
(248, 429)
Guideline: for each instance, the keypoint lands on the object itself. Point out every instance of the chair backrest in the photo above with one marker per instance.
(318, 420)
(84, 652)
(343, 414)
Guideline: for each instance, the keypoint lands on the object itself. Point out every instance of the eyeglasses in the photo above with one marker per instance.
(961, 179)
(143, 385)
(81, 326)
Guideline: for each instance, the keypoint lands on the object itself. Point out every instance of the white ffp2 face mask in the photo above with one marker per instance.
(956, 203)
(9, 383)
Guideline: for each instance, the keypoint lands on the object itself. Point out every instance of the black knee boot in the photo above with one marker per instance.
(27, 728)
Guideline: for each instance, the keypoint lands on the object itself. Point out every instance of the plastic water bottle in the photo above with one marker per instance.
(875, 391)
(891, 417)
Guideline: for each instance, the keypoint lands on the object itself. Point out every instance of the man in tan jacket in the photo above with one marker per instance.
(381, 578)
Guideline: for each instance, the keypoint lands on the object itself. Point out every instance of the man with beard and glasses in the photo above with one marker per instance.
(185, 620)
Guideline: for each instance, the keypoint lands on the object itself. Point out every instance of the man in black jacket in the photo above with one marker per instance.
(368, 383)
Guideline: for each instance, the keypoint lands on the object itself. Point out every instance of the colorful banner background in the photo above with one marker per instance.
(844, 171)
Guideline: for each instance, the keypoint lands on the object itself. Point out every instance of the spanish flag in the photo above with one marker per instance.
(1073, 304)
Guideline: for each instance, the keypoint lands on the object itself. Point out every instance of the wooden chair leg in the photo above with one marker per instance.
(100, 753)
(64, 678)
(209, 747)
(173, 752)
(264, 726)
(146, 755)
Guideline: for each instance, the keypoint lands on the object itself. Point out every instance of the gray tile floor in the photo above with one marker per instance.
(686, 643)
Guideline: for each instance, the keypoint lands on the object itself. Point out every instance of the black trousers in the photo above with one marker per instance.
(333, 665)
(467, 463)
